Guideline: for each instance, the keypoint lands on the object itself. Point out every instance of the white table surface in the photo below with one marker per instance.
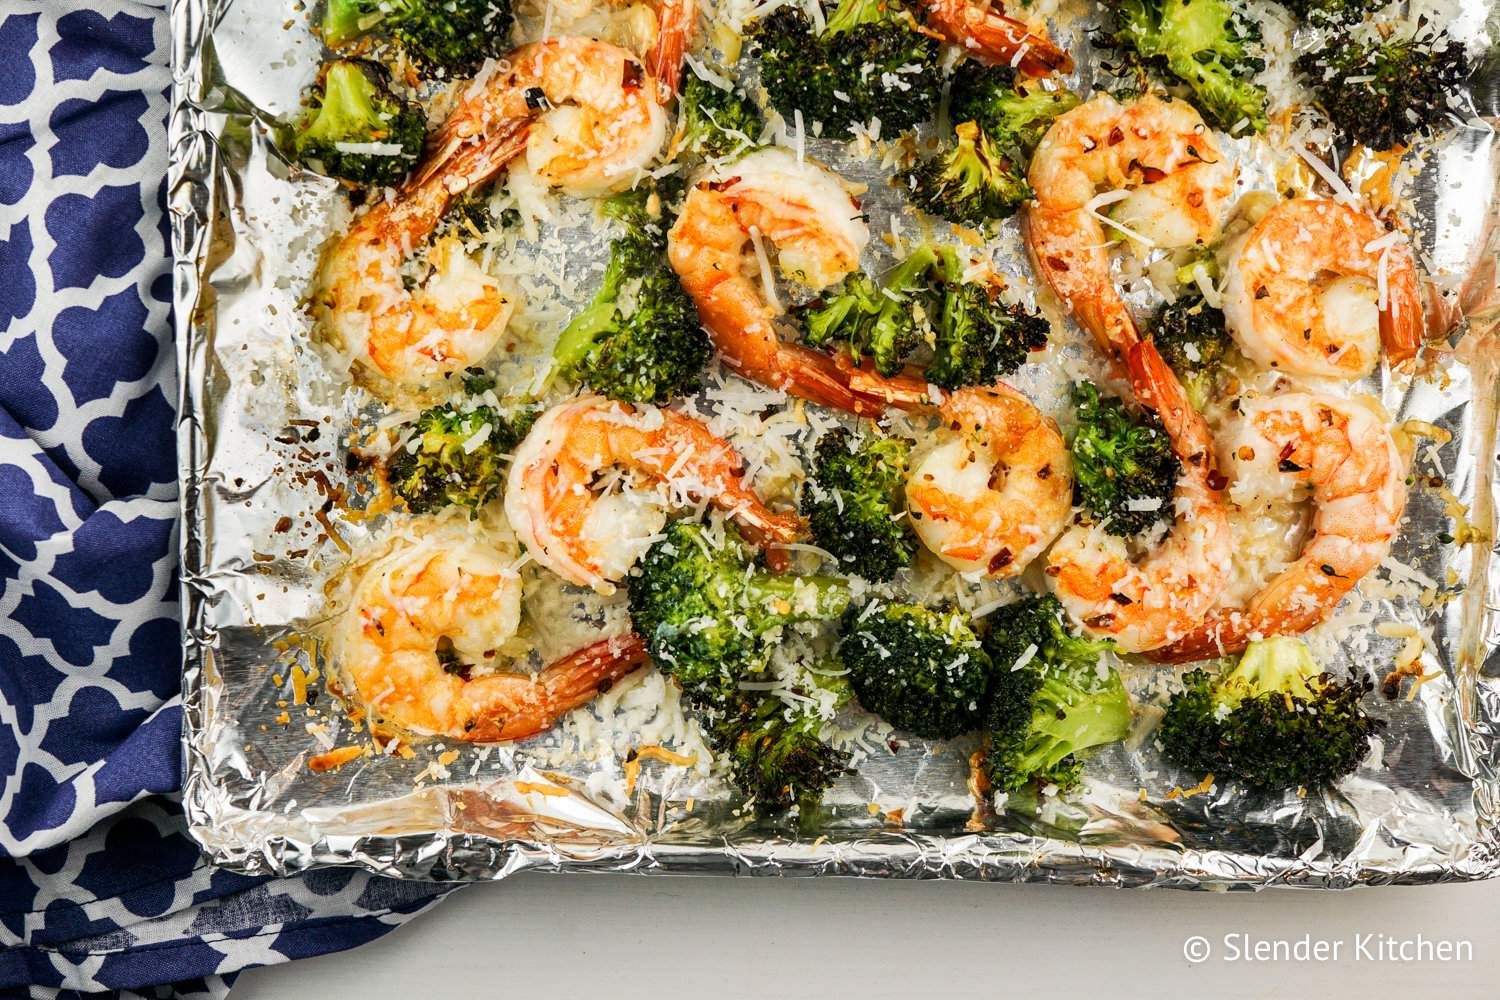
(621, 937)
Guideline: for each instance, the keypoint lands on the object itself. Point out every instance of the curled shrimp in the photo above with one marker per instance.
(1357, 475)
(991, 497)
(407, 338)
(982, 29)
(659, 31)
(1316, 289)
(420, 640)
(818, 231)
(1146, 604)
(592, 536)
(598, 118)
(1157, 163)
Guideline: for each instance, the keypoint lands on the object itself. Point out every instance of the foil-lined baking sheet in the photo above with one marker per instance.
(262, 450)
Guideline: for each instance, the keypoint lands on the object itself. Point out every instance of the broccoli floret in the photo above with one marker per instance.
(706, 613)
(1385, 93)
(715, 121)
(972, 182)
(435, 469)
(1331, 10)
(920, 669)
(1274, 720)
(855, 502)
(776, 753)
(1121, 460)
(453, 35)
(639, 340)
(1013, 118)
(356, 107)
(1191, 337)
(870, 62)
(1059, 702)
(1206, 44)
(886, 321)
(978, 338)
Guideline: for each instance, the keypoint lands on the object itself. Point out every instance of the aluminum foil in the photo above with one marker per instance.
(262, 441)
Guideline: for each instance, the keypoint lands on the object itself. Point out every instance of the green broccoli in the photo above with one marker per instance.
(776, 753)
(871, 62)
(715, 121)
(436, 465)
(707, 615)
(886, 321)
(639, 340)
(357, 129)
(1191, 337)
(455, 36)
(854, 503)
(1275, 720)
(1052, 698)
(1124, 469)
(1014, 119)
(979, 339)
(920, 669)
(1205, 44)
(1383, 93)
(973, 182)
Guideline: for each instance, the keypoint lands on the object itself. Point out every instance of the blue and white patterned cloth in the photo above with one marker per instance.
(100, 888)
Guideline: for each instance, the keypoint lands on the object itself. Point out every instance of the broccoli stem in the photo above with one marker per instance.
(1277, 663)
(853, 13)
(347, 107)
(597, 317)
(787, 594)
(346, 20)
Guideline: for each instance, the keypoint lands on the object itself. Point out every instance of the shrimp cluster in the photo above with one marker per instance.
(976, 480)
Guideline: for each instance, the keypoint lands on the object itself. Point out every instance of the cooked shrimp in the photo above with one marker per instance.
(982, 29)
(592, 538)
(658, 31)
(1318, 287)
(1157, 162)
(990, 498)
(420, 639)
(407, 338)
(1146, 604)
(818, 231)
(598, 119)
(1357, 475)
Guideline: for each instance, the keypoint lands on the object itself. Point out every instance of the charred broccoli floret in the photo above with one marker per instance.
(855, 500)
(1124, 469)
(885, 321)
(1331, 10)
(870, 62)
(1191, 337)
(979, 339)
(1015, 119)
(920, 669)
(357, 129)
(1052, 698)
(1274, 720)
(715, 121)
(972, 182)
(639, 340)
(1384, 93)
(1205, 44)
(776, 753)
(452, 35)
(975, 337)
(707, 614)
(452, 456)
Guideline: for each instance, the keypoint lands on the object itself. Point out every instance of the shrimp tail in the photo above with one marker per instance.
(675, 24)
(1157, 388)
(1401, 322)
(983, 29)
(562, 686)
(463, 163)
